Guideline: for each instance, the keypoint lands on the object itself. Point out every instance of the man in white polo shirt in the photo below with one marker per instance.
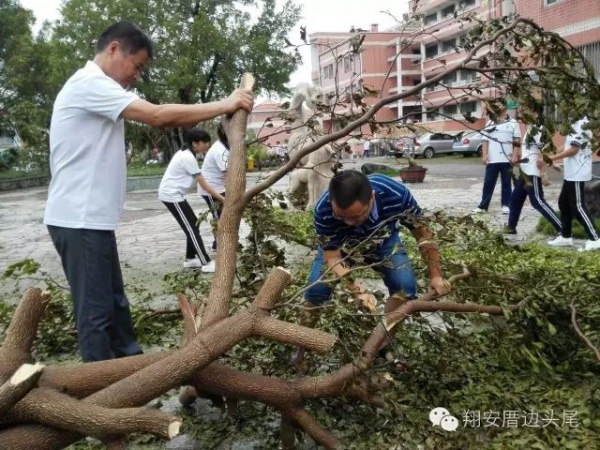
(577, 170)
(87, 190)
(499, 137)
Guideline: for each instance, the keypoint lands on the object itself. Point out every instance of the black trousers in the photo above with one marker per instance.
(91, 264)
(216, 208)
(188, 222)
(571, 203)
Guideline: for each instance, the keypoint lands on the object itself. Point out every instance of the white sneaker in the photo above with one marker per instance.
(505, 210)
(560, 241)
(478, 211)
(191, 263)
(209, 268)
(590, 245)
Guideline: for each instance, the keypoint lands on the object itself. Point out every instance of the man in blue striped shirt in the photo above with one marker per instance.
(357, 224)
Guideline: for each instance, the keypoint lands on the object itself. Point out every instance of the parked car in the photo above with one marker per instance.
(431, 144)
(469, 145)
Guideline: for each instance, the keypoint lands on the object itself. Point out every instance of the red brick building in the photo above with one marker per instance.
(431, 47)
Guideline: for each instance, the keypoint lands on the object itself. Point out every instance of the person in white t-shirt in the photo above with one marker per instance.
(577, 169)
(87, 189)
(211, 182)
(499, 137)
(179, 177)
(529, 184)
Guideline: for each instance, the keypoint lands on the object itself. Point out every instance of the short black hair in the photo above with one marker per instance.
(129, 35)
(222, 135)
(197, 135)
(349, 186)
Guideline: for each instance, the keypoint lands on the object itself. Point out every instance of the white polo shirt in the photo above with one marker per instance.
(500, 138)
(531, 149)
(214, 167)
(579, 166)
(179, 177)
(87, 152)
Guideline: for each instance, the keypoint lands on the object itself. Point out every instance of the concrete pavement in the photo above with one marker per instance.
(151, 243)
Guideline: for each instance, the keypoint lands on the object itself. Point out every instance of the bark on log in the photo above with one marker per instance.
(217, 307)
(22, 331)
(48, 407)
(82, 380)
(19, 385)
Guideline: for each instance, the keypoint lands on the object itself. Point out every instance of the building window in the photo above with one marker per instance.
(550, 2)
(450, 79)
(468, 108)
(450, 110)
(431, 18)
(347, 63)
(328, 72)
(464, 4)
(431, 51)
(448, 11)
(591, 52)
(449, 46)
(469, 75)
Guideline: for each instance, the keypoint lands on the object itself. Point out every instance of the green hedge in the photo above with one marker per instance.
(546, 228)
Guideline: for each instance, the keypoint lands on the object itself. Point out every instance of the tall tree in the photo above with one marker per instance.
(25, 93)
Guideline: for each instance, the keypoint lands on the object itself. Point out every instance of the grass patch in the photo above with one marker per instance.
(146, 170)
(546, 228)
(389, 172)
(19, 174)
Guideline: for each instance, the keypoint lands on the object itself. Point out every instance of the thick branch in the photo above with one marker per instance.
(82, 380)
(23, 381)
(16, 349)
(313, 429)
(289, 333)
(217, 307)
(48, 407)
(272, 288)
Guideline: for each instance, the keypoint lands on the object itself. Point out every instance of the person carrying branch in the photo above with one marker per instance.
(577, 170)
(356, 221)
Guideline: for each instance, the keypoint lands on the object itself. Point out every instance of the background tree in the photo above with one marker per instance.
(202, 47)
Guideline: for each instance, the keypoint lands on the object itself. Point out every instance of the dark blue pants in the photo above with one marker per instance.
(91, 264)
(489, 184)
(397, 271)
(535, 192)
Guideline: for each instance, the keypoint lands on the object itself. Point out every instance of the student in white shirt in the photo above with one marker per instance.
(499, 137)
(87, 189)
(529, 183)
(211, 182)
(179, 177)
(577, 170)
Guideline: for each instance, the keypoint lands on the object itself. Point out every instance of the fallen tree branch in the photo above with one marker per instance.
(22, 331)
(19, 385)
(48, 407)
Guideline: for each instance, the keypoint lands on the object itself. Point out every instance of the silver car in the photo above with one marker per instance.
(431, 144)
(469, 145)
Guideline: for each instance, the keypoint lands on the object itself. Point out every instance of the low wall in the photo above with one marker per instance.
(24, 183)
(150, 183)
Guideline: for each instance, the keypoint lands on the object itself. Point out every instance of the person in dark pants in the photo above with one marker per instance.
(529, 183)
(499, 136)
(89, 176)
(176, 182)
(211, 182)
(571, 201)
(359, 215)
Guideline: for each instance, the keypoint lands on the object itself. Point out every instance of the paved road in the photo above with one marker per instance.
(152, 244)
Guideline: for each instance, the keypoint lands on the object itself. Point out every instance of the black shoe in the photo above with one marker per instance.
(508, 230)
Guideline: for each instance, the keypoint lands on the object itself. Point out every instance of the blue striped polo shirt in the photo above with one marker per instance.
(393, 203)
